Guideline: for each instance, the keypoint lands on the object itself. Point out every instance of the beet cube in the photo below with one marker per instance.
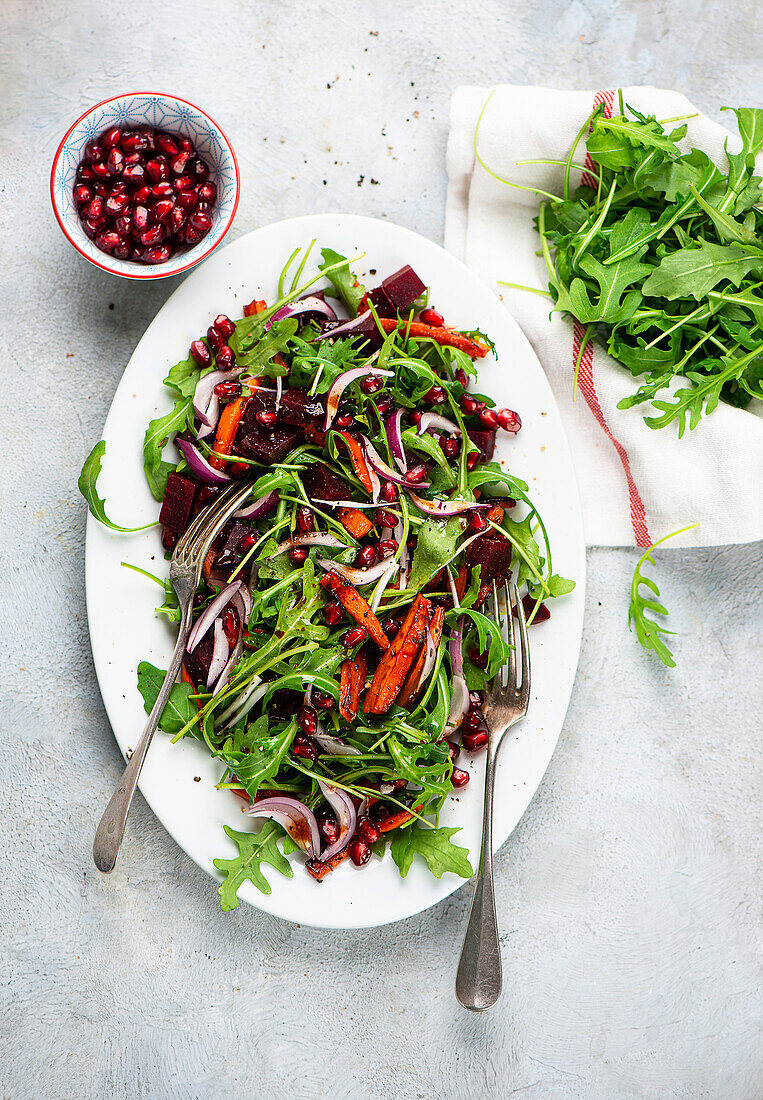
(268, 446)
(493, 552)
(298, 409)
(197, 663)
(403, 288)
(485, 440)
(178, 503)
(382, 302)
(232, 551)
(322, 484)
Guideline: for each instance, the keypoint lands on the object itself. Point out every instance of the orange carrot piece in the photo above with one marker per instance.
(412, 686)
(257, 306)
(358, 461)
(352, 601)
(473, 348)
(494, 514)
(356, 522)
(232, 414)
(461, 582)
(396, 663)
(352, 682)
(398, 819)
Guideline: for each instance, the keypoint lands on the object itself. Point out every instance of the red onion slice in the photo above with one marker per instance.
(359, 577)
(204, 392)
(443, 509)
(393, 430)
(342, 381)
(296, 818)
(199, 465)
(459, 699)
(346, 814)
(221, 600)
(303, 307)
(259, 507)
(238, 649)
(429, 660)
(438, 422)
(242, 704)
(334, 745)
(376, 463)
(354, 504)
(383, 582)
(220, 653)
(316, 538)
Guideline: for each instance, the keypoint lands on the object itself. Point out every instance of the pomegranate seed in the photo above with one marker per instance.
(387, 547)
(90, 228)
(158, 255)
(488, 418)
(207, 192)
(354, 637)
(162, 210)
(123, 225)
(215, 339)
(134, 141)
(385, 404)
(305, 520)
(459, 778)
(100, 171)
(329, 830)
(477, 521)
(509, 420)
(307, 719)
(473, 742)
(162, 191)
(115, 162)
(298, 555)
(431, 317)
(179, 163)
(155, 234)
(122, 251)
(383, 518)
(141, 195)
(247, 541)
(450, 446)
(198, 168)
(135, 158)
(389, 492)
(115, 203)
(200, 220)
(225, 358)
(103, 190)
(305, 749)
(472, 459)
(333, 613)
(94, 153)
(112, 137)
(435, 396)
(167, 145)
(177, 219)
(224, 325)
(107, 242)
(453, 749)
(344, 421)
(84, 173)
(185, 183)
(473, 720)
(416, 418)
(186, 144)
(370, 384)
(82, 194)
(157, 169)
(140, 218)
(479, 660)
(231, 623)
(186, 199)
(227, 391)
(169, 539)
(468, 405)
(416, 474)
(367, 831)
(201, 353)
(266, 418)
(322, 700)
(365, 557)
(461, 377)
(528, 603)
(189, 235)
(475, 700)
(391, 627)
(359, 851)
(95, 209)
(134, 173)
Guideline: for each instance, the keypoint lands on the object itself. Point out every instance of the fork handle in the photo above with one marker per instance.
(108, 837)
(480, 977)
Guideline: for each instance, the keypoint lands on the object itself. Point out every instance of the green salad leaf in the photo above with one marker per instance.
(157, 436)
(342, 279)
(435, 846)
(88, 486)
(268, 846)
(180, 707)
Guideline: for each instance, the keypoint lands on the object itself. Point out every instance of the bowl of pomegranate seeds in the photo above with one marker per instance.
(145, 185)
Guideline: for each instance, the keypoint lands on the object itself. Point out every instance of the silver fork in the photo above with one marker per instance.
(185, 573)
(479, 977)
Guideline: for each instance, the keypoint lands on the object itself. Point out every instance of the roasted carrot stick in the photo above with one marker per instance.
(319, 870)
(356, 522)
(494, 514)
(358, 461)
(412, 686)
(352, 682)
(396, 663)
(352, 601)
(418, 331)
(396, 820)
(461, 582)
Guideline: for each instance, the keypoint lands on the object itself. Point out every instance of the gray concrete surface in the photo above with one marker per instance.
(629, 894)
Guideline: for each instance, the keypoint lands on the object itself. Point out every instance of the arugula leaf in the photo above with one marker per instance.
(180, 707)
(525, 548)
(649, 631)
(184, 377)
(696, 271)
(436, 546)
(257, 350)
(88, 486)
(342, 279)
(254, 849)
(157, 437)
(435, 846)
(260, 756)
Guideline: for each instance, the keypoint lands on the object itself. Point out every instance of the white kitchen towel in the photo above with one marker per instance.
(637, 484)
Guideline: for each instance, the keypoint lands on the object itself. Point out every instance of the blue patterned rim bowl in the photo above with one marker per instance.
(165, 112)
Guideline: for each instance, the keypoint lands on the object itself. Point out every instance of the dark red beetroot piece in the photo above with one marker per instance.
(322, 484)
(178, 503)
(234, 547)
(298, 409)
(197, 663)
(485, 440)
(493, 552)
(398, 292)
(148, 207)
(267, 446)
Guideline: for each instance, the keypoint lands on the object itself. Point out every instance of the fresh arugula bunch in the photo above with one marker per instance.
(662, 261)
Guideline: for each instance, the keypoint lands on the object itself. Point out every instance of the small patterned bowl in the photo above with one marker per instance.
(165, 112)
